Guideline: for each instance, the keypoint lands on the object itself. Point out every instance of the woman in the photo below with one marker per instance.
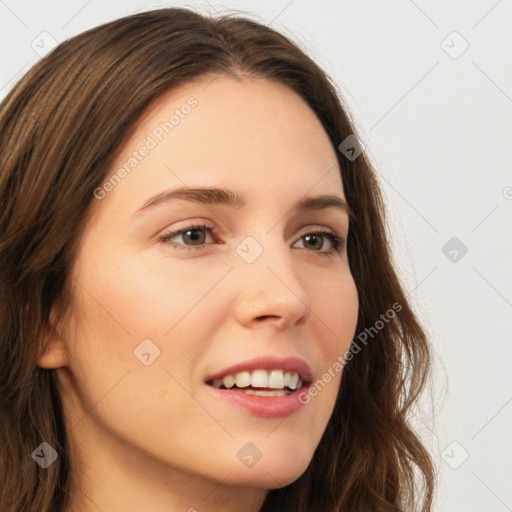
(198, 303)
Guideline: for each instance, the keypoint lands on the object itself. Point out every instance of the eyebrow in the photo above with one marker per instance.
(227, 197)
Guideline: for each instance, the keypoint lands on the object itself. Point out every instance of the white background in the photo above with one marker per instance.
(438, 127)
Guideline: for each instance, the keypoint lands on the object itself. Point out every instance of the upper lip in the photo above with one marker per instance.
(291, 364)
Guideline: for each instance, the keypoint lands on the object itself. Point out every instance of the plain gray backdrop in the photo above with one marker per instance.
(429, 85)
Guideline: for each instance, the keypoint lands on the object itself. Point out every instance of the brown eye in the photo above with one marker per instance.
(315, 239)
(195, 234)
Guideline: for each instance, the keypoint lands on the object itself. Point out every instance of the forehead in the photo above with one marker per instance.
(219, 131)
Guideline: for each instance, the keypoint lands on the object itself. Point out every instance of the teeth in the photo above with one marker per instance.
(259, 379)
(294, 380)
(243, 379)
(274, 379)
(228, 381)
(280, 392)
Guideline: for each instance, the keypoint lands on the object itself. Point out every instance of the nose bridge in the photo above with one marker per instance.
(269, 284)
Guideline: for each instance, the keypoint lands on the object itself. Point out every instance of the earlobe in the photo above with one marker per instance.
(54, 355)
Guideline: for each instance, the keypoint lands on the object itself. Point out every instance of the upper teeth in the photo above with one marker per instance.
(274, 379)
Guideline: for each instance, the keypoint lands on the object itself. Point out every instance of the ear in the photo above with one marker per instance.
(54, 355)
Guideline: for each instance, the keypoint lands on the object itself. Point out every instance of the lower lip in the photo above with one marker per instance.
(262, 406)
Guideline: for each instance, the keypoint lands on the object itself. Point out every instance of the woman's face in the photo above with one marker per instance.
(161, 317)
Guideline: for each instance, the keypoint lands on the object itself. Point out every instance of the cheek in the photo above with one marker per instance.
(128, 297)
(128, 307)
(120, 308)
(337, 308)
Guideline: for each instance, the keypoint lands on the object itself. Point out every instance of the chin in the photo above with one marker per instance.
(272, 474)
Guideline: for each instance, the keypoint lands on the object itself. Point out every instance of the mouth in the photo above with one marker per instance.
(260, 382)
(264, 387)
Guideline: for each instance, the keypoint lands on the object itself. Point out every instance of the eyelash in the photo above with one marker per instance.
(336, 241)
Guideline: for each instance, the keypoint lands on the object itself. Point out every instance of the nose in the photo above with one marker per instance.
(270, 289)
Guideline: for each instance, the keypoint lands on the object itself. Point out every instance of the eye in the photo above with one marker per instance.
(192, 233)
(197, 234)
(316, 238)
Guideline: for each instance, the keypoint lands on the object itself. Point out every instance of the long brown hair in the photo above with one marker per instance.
(61, 127)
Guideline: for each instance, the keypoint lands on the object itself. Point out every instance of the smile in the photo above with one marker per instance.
(266, 387)
(260, 382)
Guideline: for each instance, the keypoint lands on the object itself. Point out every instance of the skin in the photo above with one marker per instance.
(152, 437)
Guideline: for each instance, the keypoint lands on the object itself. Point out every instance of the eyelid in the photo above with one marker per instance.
(216, 231)
(320, 227)
(178, 229)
